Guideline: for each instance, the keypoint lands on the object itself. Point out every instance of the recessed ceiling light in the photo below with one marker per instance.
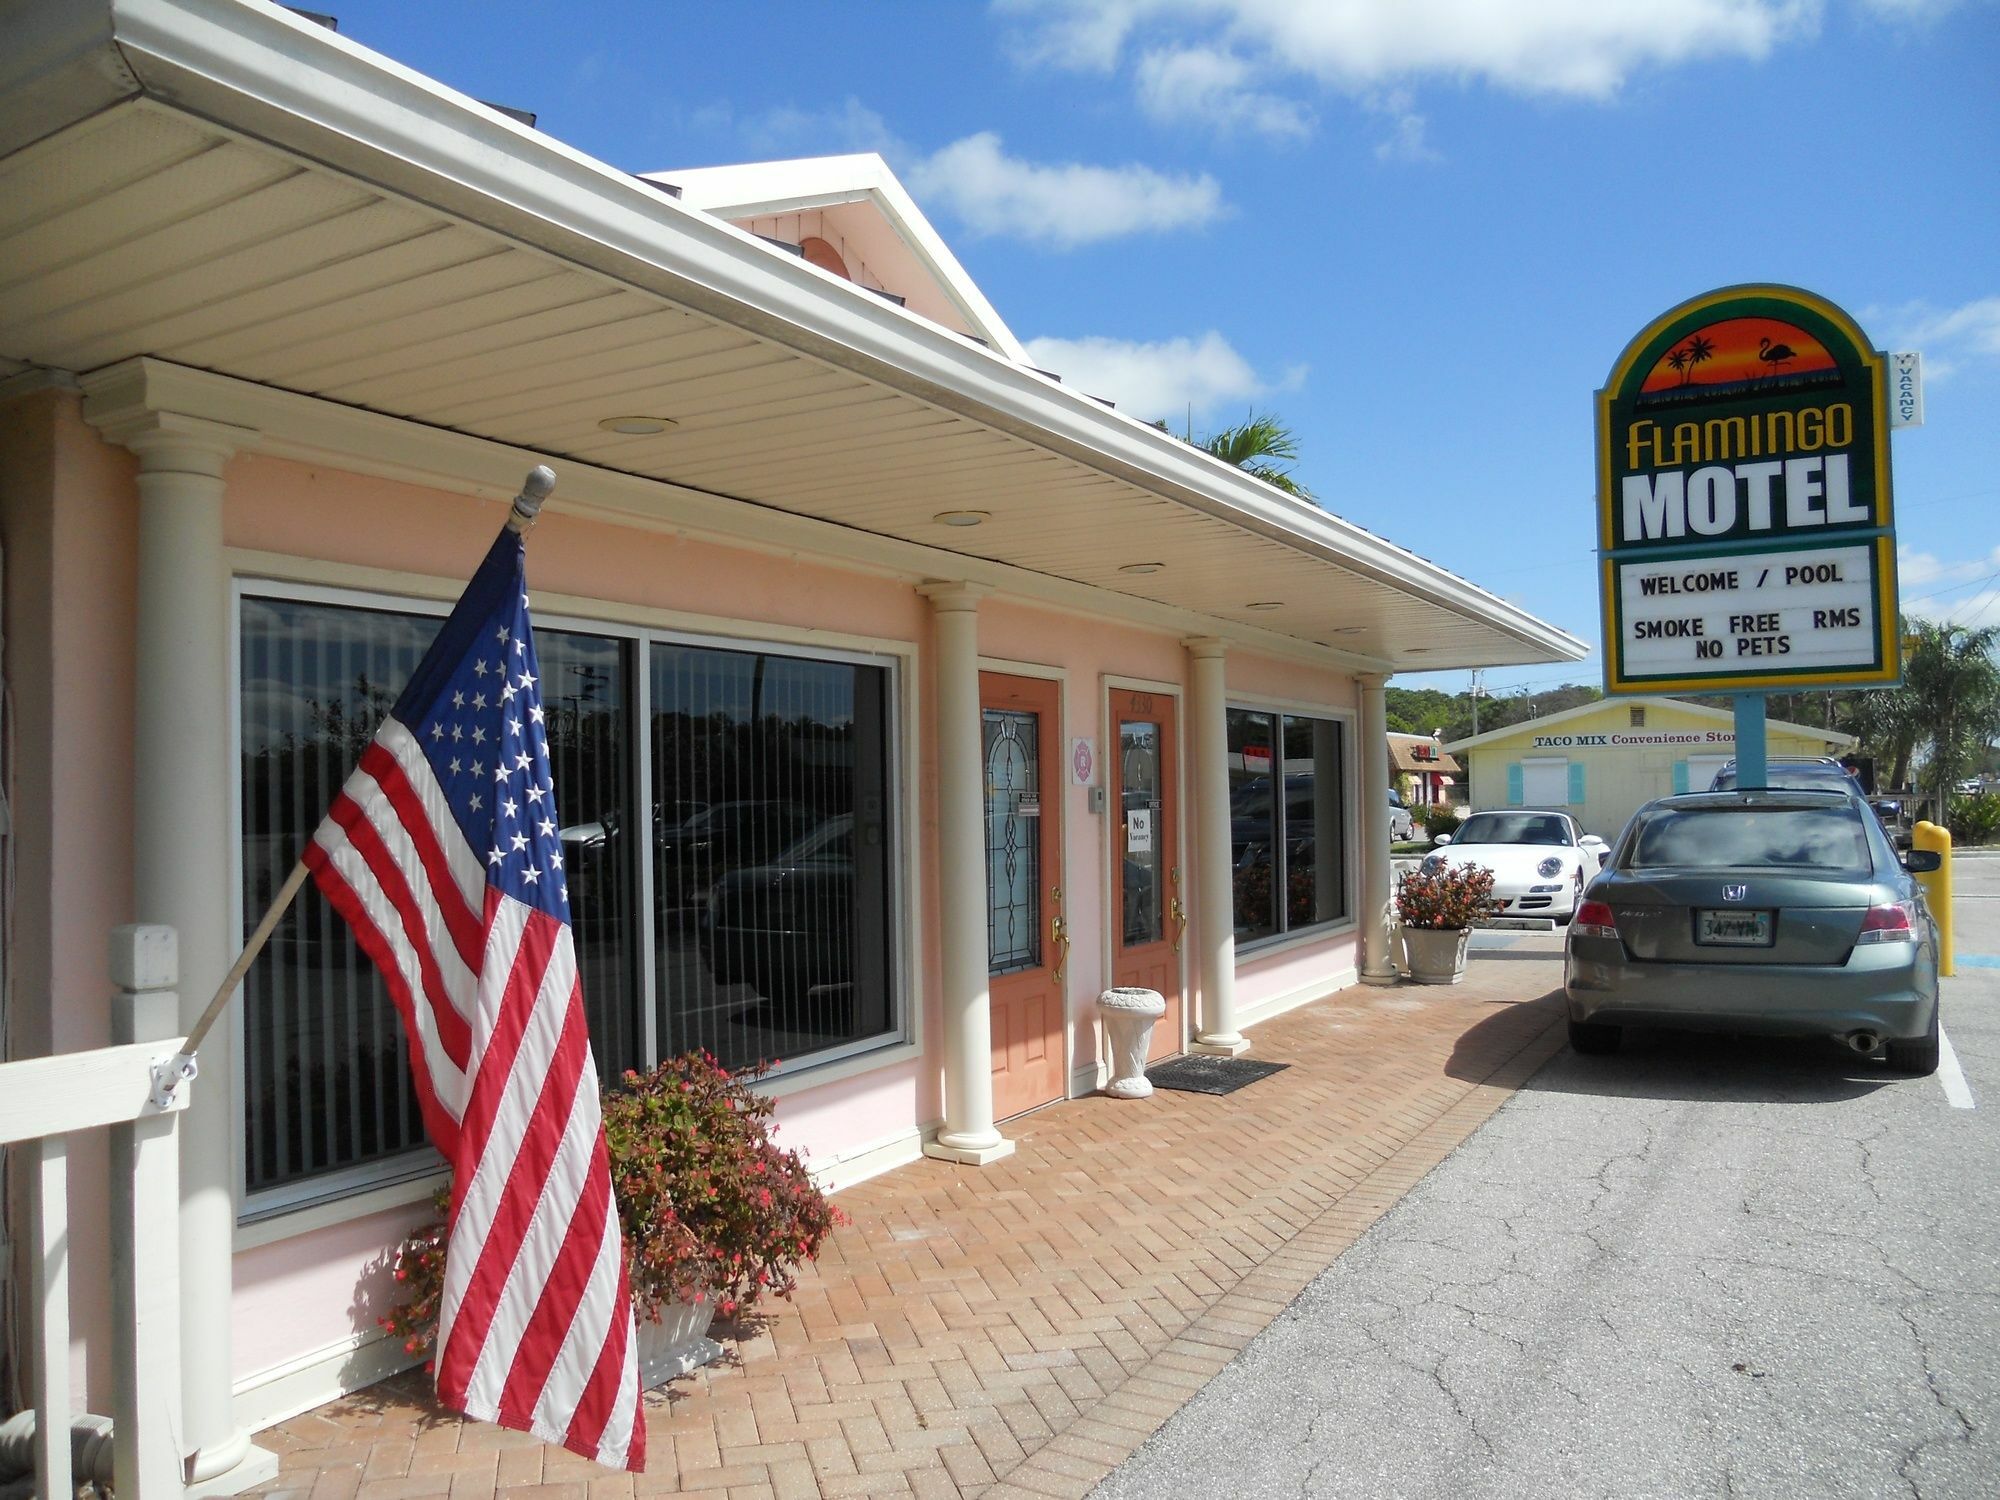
(636, 426)
(1345, 630)
(1416, 650)
(1266, 604)
(961, 517)
(1142, 567)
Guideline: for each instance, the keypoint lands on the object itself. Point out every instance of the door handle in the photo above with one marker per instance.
(1058, 934)
(1178, 914)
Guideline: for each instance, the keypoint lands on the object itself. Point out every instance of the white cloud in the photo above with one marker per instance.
(1210, 87)
(1406, 141)
(1159, 380)
(1947, 340)
(1062, 205)
(1961, 592)
(786, 130)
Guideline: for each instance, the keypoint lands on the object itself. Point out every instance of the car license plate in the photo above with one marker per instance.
(1733, 929)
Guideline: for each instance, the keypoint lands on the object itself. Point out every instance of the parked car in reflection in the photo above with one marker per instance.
(1785, 912)
(1541, 860)
(786, 925)
(726, 836)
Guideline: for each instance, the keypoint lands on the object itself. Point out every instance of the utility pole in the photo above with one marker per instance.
(1478, 692)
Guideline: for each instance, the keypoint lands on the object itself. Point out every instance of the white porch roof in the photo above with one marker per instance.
(223, 186)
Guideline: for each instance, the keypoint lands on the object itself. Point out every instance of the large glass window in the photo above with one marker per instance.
(1287, 808)
(767, 829)
(770, 853)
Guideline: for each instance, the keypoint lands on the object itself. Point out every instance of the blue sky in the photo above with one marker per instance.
(1418, 230)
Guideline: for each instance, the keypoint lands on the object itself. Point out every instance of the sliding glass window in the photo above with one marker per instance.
(761, 826)
(1288, 821)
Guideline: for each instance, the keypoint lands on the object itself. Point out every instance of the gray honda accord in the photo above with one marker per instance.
(1779, 912)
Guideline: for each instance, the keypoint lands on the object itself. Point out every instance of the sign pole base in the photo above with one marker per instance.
(1752, 767)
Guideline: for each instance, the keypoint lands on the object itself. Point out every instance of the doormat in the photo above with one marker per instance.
(1210, 1075)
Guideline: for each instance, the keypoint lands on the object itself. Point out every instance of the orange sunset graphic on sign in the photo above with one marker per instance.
(1738, 354)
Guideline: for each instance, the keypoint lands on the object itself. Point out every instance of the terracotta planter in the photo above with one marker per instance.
(675, 1342)
(1436, 955)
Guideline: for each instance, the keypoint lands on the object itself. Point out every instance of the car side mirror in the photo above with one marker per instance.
(1923, 861)
(1439, 839)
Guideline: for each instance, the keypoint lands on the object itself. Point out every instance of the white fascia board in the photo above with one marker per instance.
(1677, 705)
(774, 187)
(258, 71)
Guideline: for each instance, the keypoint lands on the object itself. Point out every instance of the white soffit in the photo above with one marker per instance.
(287, 208)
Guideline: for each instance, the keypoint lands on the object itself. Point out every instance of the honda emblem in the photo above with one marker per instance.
(1735, 892)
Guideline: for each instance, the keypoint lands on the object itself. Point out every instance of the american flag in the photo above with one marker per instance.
(442, 854)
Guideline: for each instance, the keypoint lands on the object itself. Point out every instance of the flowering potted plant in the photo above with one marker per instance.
(1436, 910)
(715, 1215)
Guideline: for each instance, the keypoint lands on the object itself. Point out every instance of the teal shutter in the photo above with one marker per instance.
(1515, 796)
(1680, 776)
(1576, 783)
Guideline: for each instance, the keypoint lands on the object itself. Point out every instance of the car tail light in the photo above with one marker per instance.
(1594, 919)
(1887, 924)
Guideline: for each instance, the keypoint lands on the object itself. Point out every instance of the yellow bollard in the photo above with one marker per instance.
(1937, 886)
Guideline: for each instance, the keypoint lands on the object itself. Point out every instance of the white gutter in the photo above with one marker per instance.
(254, 69)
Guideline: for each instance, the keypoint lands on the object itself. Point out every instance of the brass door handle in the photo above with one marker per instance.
(1177, 913)
(1059, 935)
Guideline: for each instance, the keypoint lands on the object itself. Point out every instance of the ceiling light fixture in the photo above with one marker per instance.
(636, 426)
(961, 517)
(1142, 567)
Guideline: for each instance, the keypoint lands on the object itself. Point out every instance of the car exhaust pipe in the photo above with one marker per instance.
(1864, 1040)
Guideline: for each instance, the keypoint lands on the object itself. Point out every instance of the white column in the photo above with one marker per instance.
(968, 1135)
(1214, 883)
(1377, 967)
(183, 870)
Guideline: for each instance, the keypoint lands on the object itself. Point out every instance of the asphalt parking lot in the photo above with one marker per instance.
(1702, 1267)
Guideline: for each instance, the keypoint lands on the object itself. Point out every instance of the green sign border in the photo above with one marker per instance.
(1844, 339)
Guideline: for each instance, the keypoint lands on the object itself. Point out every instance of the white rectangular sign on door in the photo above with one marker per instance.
(1139, 830)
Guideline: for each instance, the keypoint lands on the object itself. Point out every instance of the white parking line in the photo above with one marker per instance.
(1956, 1092)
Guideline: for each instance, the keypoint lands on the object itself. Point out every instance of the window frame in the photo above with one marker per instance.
(1347, 718)
(279, 1212)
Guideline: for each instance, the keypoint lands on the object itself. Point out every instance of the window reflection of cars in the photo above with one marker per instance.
(724, 837)
(786, 925)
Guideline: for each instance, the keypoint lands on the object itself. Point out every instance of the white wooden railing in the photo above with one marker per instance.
(45, 1102)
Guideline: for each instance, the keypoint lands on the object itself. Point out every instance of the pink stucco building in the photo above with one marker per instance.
(902, 697)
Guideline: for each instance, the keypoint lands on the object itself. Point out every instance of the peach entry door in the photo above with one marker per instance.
(1148, 909)
(1027, 946)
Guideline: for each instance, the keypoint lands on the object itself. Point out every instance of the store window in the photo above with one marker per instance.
(762, 819)
(1287, 849)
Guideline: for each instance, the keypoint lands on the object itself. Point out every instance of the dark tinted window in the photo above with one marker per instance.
(1789, 778)
(1513, 828)
(1832, 839)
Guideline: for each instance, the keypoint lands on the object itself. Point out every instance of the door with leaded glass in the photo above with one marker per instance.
(1027, 945)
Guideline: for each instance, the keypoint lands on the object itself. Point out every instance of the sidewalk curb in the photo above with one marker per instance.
(1073, 1461)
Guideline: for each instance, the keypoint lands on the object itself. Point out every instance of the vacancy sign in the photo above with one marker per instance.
(1745, 530)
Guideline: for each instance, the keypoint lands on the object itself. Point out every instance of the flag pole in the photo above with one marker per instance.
(535, 490)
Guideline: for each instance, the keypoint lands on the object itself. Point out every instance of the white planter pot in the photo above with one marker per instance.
(1129, 1018)
(1436, 955)
(676, 1342)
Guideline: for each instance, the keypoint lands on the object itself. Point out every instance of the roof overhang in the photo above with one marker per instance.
(219, 184)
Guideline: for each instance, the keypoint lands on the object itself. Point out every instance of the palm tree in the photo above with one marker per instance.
(1699, 350)
(1252, 447)
(1948, 707)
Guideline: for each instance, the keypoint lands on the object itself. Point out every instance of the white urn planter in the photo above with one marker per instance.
(1129, 1018)
(675, 1342)
(1436, 955)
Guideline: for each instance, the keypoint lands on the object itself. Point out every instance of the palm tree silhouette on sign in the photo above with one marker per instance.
(1775, 355)
(1678, 363)
(1699, 351)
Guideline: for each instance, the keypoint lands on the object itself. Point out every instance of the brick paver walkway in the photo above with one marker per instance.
(1020, 1330)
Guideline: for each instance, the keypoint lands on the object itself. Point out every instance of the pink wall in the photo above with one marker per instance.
(68, 517)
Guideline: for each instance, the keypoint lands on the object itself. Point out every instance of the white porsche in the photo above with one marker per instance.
(1541, 861)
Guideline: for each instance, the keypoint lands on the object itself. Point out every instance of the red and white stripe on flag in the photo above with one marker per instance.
(536, 1329)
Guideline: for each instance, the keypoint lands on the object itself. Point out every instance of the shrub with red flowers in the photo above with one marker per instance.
(1446, 898)
(710, 1206)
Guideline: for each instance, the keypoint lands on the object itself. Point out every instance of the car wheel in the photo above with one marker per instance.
(1919, 1057)
(1595, 1039)
(1575, 900)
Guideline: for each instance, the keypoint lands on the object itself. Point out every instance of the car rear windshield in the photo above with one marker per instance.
(1513, 828)
(1792, 778)
(1757, 838)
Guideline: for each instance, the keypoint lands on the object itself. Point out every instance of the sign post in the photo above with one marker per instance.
(1746, 534)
